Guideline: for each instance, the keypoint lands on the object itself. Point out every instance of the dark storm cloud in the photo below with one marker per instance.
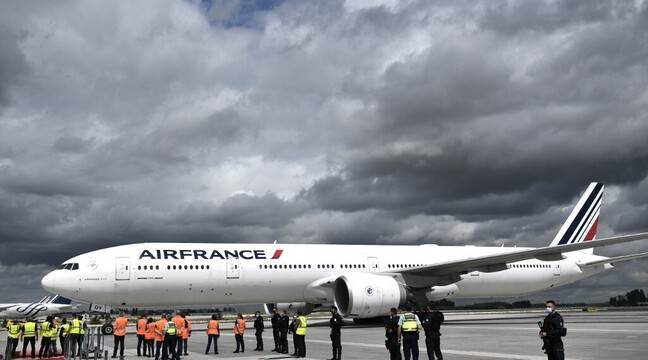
(320, 122)
(12, 62)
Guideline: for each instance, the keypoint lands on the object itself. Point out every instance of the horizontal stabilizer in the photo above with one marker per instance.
(618, 259)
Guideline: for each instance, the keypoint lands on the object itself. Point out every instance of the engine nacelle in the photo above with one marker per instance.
(367, 295)
(291, 308)
(436, 293)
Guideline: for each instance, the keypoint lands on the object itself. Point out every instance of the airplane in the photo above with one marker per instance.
(49, 305)
(363, 281)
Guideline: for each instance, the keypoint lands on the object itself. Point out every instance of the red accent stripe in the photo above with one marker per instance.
(277, 254)
(592, 231)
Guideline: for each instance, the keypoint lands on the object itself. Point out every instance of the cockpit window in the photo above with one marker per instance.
(69, 266)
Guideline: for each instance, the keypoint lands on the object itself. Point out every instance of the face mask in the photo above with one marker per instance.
(548, 311)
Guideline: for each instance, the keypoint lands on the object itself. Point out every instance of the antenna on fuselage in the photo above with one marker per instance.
(275, 242)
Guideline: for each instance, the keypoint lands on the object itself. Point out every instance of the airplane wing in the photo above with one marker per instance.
(614, 260)
(448, 272)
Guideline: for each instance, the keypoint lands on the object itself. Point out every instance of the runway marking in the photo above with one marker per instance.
(448, 351)
(569, 329)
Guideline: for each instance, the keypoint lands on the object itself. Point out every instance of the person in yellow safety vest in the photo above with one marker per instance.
(63, 335)
(29, 336)
(76, 335)
(46, 342)
(54, 329)
(300, 334)
(170, 341)
(410, 326)
(13, 334)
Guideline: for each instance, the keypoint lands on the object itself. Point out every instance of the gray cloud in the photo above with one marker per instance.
(320, 122)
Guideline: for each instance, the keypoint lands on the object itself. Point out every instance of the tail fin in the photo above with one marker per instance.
(58, 299)
(582, 223)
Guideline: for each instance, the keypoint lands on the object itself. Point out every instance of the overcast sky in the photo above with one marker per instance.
(372, 122)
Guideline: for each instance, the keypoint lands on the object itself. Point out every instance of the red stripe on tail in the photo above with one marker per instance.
(277, 254)
(592, 231)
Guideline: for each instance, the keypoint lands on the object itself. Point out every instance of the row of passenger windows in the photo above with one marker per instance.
(528, 266)
(174, 267)
(319, 266)
(403, 266)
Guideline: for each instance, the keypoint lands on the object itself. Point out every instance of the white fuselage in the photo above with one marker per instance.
(185, 274)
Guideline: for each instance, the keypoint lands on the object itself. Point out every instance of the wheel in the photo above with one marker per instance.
(107, 329)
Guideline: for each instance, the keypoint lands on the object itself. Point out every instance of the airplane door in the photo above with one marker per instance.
(122, 268)
(373, 264)
(232, 268)
(556, 269)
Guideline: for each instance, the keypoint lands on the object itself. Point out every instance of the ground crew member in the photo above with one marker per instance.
(284, 325)
(54, 330)
(552, 331)
(170, 341)
(213, 332)
(119, 333)
(258, 331)
(13, 334)
(46, 342)
(75, 333)
(64, 332)
(179, 321)
(301, 334)
(336, 337)
(276, 334)
(185, 335)
(82, 328)
(149, 337)
(432, 326)
(392, 335)
(141, 334)
(29, 336)
(410, 325)
(159, 337)
(239, 330)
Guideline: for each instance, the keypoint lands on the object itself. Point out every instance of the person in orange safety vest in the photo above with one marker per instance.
(239, 330)
(179, 322)
(119, 333)
(141, 334)
(213, 333)
(159, 335)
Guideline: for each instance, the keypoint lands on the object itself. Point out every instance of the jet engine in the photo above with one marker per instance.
(436, 293)
(367, 295)
(291, 308)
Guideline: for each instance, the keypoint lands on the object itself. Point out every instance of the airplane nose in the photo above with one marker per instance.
(48, 283)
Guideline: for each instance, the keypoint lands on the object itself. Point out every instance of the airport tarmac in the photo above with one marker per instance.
(602, 335)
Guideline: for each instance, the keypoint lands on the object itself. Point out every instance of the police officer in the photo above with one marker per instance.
(552, 332)
(170, 341)
(29, 335)
(284, 325)
(410, 325)
(392, 335)
(276, 334)
(336, 325)
(431, 323)
(300, 331)
(13, 334)
(258, 331)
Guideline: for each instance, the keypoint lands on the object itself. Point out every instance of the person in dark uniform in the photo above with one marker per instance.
(292, 329)
(392, 335)
(410, 324)
(552, 331)
(258, 331)
(276, 334)
(431, 323)
(336, 337)
(284, 325)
